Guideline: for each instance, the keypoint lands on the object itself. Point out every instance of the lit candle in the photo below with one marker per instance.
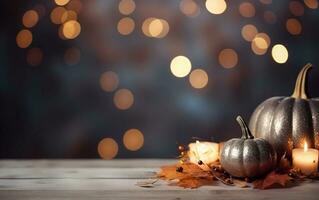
(203, 153)
(305, 159)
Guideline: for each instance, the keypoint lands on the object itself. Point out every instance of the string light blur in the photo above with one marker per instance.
(180, 66)
(293, 26)
(279, 53)
(126, 7)
(123, 99)
(189, 8)
(109, 81)
(228, 58)
(133, 139)
(107, 148)
(198, 78)
(71, 29)
(249, 32)
(247, 9)
(24, 38)
(34, 56)
(126, 26)
(216, 7)
(30, 18)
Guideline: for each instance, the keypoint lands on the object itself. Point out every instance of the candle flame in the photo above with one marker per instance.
(305, 147)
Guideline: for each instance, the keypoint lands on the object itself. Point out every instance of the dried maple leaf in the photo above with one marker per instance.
(193, 182)
(273, 179)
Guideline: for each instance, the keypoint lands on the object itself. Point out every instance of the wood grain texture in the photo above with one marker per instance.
(116, 179)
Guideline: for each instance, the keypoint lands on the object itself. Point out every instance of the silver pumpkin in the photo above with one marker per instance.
(288, 122)
(246, 156)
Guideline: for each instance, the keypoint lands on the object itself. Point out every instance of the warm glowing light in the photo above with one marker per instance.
(69, 15)
(198, 78)
(24, 38)
(279, 53)
(61, 2)
(189, 8)
(248, 32)
(296, 8)
(56, 15)
(133, 139)
(180, 66)
(305, 147)
(228, 58)
(154, 27)
(207, 152)
(71, 29)
(247, 9)
(107, 148)
(34, 56)
(313, 4)
(109, 81)
(260, 43)
(293, 26)
(126, 7)
(123, 99)
(125, 26)
(30, 18)
(216, 6)
(72, 56)
(270, 17)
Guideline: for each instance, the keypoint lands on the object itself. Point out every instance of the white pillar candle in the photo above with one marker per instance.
(305, 159)
(206, 152)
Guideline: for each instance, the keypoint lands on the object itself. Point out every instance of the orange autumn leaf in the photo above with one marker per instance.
(272, 180)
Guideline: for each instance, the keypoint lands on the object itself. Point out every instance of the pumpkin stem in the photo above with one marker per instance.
(244, 128)
(300, 87)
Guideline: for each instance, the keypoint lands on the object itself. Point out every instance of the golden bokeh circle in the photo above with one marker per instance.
(123, 99)
(109, 81)
(198, 78)
(247, 9)
(133, 139)
(24, 38)
(71, 29)
(180, 66)
(279, 53)
(126, 7)
(249, 32)
(126, 26)
(30, 18)
(107, 148)
(216, 7)
(228, 58)
(293, 26)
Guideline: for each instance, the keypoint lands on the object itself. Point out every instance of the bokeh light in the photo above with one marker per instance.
(133, 139)
(313, 4)
(260, 43)
(56, 15)
(72, 56)
(71, 29)
(123, 99)
(293, 26)
(189, 8)
(216, 7)
(34, 56)
(61, 2)
(249, 32)
(24, 38)
(30, 18)
(296, 8)
(279, 53)
(228, 58)
(69, 15)
(107, 148)
(109, 81)
(247, 9)
(126, 7)
(198, 78)
(126, 26)
(180, 66)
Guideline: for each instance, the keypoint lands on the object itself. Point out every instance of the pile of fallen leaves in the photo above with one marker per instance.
(190, 175)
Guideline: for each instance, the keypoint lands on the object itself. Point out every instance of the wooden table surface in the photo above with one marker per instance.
(116, 179)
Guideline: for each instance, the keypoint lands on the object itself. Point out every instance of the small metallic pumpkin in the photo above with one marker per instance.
(246, 156)
(288, 122)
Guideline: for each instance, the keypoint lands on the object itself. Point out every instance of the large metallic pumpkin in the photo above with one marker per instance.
(246, 156)
(288, 122)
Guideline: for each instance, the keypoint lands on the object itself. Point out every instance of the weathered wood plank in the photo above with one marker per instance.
(86, 163)
(76, 173)
(156, 195)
